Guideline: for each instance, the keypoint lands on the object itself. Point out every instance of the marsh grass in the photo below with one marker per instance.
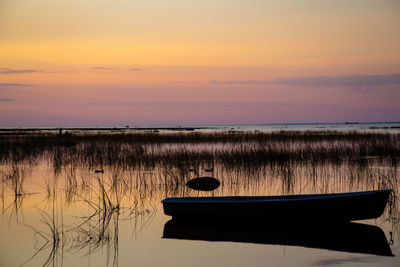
(191, 149)
(12, 182)
(169, 160)
(139, 169)
(108, 199)
(145, 160)
(132, 195)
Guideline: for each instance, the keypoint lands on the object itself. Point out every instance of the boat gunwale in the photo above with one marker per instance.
(280, 198)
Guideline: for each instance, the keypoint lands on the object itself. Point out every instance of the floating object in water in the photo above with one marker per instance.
(99, 171)
(203, 183)
(333, 207)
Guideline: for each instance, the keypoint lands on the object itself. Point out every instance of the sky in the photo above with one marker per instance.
(184, 62)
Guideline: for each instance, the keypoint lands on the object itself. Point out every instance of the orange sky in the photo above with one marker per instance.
(123, 62)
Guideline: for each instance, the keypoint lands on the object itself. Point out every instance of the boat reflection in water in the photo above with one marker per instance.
(345, 237)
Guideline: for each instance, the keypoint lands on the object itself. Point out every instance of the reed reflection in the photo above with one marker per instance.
(77, 214)
(80, 211)
(13, 182)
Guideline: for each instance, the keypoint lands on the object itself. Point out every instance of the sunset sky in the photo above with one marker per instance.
(185, 62)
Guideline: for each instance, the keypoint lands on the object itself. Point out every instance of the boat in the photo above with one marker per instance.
(345, 237)
(339, 207)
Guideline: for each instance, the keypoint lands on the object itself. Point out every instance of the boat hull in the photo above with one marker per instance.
(343, 207)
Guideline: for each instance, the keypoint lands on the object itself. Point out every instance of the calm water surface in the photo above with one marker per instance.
(72, 216)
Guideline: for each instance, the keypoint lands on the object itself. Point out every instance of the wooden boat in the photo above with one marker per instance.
(346, 237)
(341, 207)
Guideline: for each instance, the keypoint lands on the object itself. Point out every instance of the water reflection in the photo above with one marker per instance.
(65, 209)
(346, 237)
(72, 214)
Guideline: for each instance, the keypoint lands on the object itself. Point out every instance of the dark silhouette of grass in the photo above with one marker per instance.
(125, 150)
(139, 168)
(118, 194)
(106, 197)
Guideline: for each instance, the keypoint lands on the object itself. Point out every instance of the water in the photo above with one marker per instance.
(69, 215)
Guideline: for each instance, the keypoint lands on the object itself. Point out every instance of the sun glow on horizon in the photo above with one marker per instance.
(62, 59)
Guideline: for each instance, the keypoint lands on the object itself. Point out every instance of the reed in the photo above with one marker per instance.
(130, 149)
(146, 161)
(178, 153)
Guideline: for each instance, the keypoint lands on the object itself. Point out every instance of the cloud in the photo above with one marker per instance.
(358, 83)
(11, 71)
(142, 104)
(363, 89)
(7, 99)
(15, 84)
(191, 104)
(135, 69)
(103, 68)
(161, 104)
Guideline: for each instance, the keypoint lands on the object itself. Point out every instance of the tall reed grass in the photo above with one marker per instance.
(176, 149)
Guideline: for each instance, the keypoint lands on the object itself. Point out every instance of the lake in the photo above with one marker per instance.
(94, 199)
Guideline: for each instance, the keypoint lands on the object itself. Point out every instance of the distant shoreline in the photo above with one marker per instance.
(339, 126)
(199, 126)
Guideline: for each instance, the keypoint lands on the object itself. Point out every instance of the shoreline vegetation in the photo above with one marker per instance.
(288, 161)
(227, 148)
(122, 176)
(374, 126)
(169, 159)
